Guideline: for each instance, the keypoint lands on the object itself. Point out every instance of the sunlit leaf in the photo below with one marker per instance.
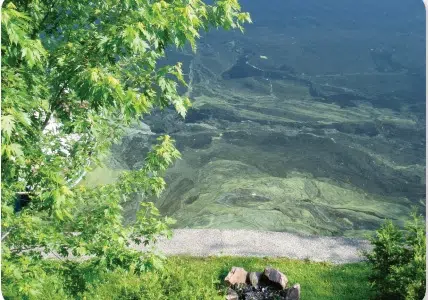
(16, 149)
(7, 124)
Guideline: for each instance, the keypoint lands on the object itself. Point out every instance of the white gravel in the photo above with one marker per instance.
(215, 242)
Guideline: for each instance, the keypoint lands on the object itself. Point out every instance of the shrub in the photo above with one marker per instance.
(398, 260)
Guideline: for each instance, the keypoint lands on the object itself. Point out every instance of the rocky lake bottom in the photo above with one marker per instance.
(315, 134)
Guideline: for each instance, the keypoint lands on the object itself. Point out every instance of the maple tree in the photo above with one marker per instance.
(75, 74)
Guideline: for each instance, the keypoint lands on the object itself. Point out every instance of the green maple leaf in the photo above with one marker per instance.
(16, 149)
(7, 125)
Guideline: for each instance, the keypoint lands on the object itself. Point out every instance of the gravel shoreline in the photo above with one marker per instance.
(214, 242)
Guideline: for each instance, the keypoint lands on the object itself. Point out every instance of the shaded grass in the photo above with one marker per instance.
(202, 278)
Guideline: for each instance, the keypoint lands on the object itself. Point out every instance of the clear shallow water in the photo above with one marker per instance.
(312, 121)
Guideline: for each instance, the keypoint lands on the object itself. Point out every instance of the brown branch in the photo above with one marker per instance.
(45, 123)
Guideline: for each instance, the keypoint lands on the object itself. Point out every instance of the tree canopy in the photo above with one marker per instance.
(75, 74)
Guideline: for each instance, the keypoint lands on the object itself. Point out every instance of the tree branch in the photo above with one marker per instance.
(45, 123)
(6, 234)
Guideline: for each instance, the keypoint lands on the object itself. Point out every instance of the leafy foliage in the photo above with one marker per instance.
(398, 260)
(74, 75)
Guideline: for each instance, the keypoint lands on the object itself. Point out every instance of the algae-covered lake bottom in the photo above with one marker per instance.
(304, 128)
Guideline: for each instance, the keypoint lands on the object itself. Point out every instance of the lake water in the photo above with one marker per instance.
(312, 121)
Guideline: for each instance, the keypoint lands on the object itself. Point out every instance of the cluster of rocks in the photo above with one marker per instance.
(269, 284)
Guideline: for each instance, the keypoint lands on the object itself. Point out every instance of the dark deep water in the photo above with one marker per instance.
(312, 121)
(395, 36)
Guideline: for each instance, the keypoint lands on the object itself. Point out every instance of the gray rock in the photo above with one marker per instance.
(276, 277)
(293, 293)
(254, 278)
(232, 295)
(236, 276)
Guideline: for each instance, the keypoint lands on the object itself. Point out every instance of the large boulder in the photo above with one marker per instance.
(276, 277)
(236, 276)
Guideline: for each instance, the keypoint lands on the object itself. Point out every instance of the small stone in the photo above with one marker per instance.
(254, 278)
(232, 295)
(276, 277)
(293, 293)
(236, 276)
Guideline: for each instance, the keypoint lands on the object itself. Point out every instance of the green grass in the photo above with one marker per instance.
(191, 278)
(202, 278)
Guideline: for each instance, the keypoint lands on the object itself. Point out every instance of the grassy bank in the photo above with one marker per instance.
(202, 278)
